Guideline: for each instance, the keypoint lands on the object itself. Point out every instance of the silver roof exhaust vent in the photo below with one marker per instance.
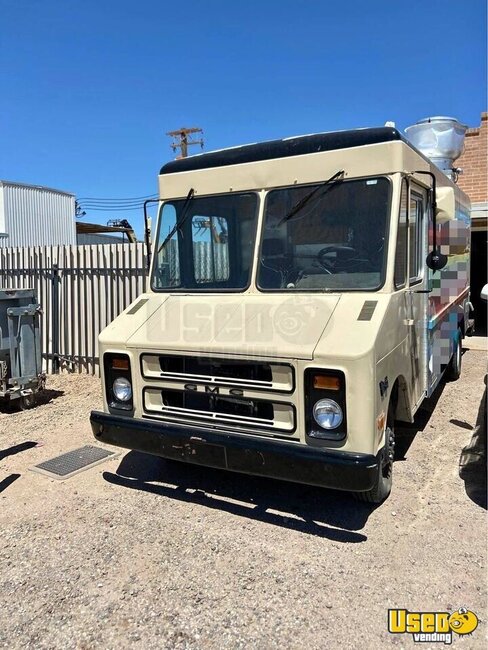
(441, 139)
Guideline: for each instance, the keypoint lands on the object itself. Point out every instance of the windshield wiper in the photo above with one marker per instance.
(179, 222)
(298, 206)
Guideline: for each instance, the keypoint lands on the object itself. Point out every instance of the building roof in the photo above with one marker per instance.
(34, 187)
(84, 228)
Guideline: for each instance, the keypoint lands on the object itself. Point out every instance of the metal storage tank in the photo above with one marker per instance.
(31, 215)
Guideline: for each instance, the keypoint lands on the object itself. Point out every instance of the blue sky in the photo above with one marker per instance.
(89, 88)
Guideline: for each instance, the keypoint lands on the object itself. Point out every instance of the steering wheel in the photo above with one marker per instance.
(337, 258)
(343, 259)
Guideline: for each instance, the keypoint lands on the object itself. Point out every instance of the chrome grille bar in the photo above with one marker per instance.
(270, 376)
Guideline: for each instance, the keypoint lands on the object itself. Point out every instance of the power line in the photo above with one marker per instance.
(114, 209)
(117, 200)
(110, 205)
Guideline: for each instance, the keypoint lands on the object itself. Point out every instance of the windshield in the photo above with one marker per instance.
(336, 241)
(205, 243)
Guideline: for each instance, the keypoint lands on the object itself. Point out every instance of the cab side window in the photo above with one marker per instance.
(400, 274)
(415, 226)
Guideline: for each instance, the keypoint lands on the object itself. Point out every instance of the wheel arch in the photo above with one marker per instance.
(399, 399)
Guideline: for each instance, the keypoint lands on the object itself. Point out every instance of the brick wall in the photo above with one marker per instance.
(474, 180)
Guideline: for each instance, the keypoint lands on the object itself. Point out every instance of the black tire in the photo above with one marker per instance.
(27, 402)
(384, 477)
(453, 371)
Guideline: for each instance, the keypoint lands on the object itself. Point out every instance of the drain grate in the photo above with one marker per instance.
(72, 462)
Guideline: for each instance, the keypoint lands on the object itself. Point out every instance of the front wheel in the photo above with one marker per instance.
(384, 476)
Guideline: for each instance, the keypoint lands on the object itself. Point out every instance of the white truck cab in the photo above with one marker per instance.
(291, 316)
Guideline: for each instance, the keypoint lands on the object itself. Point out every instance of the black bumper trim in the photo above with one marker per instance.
(339, 470)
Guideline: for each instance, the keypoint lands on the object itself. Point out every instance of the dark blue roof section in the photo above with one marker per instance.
(284, 148)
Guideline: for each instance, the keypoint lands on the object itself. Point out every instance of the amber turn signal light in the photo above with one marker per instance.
(120, 363)
(326, 382)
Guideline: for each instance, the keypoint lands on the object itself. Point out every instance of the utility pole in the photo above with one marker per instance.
(181, 140)
(79, 212)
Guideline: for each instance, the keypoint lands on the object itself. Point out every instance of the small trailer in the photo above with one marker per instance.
(21, 375)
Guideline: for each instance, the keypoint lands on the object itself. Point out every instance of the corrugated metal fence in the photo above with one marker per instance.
(81, 289)
(210, 262)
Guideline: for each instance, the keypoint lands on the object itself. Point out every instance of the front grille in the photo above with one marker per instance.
(223, 368)
(222, 371)
(210, 409)
(222, 393)
(238, 406)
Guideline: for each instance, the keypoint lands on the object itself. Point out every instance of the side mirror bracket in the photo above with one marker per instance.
(147, 231)
(435, 259)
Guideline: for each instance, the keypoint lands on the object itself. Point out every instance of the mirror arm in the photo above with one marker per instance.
(435, 259)
(147, 231)
(433, 191)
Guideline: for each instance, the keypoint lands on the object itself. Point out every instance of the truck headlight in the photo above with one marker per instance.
(118, 382)
(327, 414)
(122, 389)
(325, 404)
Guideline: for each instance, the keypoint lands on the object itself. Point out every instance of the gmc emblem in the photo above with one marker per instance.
(216, 390)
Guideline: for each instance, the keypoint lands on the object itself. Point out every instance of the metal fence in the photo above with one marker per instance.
(81, 290)
(210, 263)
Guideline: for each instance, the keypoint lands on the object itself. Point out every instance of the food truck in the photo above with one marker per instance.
(304, 295)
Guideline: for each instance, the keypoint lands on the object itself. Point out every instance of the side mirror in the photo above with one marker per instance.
(484, 293)
(436, 261)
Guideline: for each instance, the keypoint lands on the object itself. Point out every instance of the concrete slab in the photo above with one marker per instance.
(476, 343)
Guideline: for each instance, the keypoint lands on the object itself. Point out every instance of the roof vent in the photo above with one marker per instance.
(439, 138)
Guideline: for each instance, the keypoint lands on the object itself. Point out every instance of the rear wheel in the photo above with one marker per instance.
(454, 368)
(384, 476)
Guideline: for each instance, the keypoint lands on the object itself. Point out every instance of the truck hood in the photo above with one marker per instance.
(255, 325)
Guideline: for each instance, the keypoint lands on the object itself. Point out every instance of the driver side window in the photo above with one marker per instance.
(400, 275)
(415, 225)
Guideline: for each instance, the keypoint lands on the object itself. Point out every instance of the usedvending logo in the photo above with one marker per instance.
(428, 627)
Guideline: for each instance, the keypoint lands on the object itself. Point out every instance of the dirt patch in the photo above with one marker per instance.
(140, 551)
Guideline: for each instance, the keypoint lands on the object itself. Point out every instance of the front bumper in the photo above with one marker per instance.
(292, 462)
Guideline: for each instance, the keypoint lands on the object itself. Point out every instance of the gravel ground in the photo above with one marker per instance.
(138, 552)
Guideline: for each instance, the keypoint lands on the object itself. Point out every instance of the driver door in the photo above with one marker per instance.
(417, 292)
